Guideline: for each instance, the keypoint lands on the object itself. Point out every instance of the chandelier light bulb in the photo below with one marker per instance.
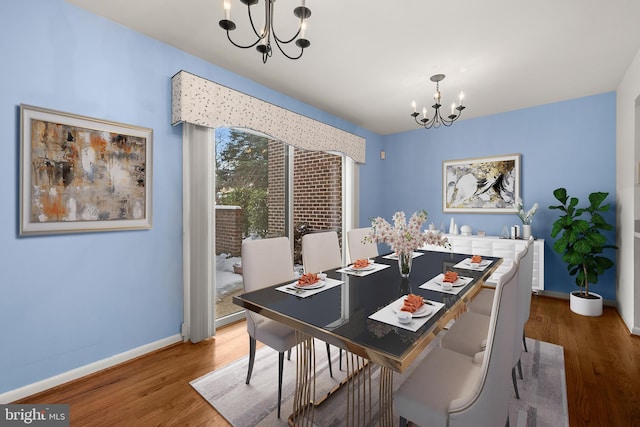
(303, 29)
(461, 97)
(227, 9)
(413, 105)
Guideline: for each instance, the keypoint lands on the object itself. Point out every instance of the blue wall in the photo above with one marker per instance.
(70, 300)
(568, 144)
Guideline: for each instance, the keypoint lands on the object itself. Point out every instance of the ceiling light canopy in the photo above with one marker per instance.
(267, 33)
(437, 119)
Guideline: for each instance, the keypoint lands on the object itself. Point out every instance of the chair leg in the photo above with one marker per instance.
(524, 342)
(280, 369)
(289, 355)
(252, 357)
(515, 384)
(520, 369)
(329, 359)
(340, 360)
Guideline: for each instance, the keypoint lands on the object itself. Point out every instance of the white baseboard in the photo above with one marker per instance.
(37, 387)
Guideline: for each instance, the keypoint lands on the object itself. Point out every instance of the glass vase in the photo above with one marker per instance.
(404, 263)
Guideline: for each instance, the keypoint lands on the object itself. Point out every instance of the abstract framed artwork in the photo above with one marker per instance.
(80, 174)
(481, 185)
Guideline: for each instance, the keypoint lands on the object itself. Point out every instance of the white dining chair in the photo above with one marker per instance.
(452, 389)
(358, 247)
(525, 279)
(468, 333)
(483, 300)
(267, 262)
(321, 251)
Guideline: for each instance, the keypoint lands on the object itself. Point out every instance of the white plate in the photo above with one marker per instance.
(477, 264)
(367, 268)
(425, 310)
(460, 282)
(317, 285)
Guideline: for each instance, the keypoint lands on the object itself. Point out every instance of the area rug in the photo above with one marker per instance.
(542, 403)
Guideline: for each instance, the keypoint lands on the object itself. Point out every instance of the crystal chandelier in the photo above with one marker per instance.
(267, 33)
(437, 119)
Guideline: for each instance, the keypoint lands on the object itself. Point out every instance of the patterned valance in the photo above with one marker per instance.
(202, 102)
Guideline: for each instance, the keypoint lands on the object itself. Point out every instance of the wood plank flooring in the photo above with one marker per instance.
(602, 367)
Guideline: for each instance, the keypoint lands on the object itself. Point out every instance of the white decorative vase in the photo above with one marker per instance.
(586, 306)
(526, 231)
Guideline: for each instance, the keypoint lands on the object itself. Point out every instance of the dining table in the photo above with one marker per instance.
(356, 311)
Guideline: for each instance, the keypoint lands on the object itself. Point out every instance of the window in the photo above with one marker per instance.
(266, 188)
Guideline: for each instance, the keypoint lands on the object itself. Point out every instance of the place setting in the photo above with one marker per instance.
(309, 284)
(475, 262)
(408, 312)
(394, 255)
(362, 267)
(449, 282)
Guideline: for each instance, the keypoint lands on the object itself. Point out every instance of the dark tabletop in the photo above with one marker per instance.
(339, 315)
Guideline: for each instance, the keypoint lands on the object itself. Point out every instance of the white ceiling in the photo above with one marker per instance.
(369, 59)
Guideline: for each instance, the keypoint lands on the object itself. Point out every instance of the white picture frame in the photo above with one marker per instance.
(80, 174)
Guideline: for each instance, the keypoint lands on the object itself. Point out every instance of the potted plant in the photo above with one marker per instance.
(581, 246)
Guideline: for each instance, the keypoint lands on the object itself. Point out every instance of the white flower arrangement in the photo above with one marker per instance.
(528, 216)
(404, 237)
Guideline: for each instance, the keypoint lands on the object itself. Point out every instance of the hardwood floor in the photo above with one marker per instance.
(602, 367)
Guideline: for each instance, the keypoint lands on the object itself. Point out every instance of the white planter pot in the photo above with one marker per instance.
(586, 306)
(526, 231)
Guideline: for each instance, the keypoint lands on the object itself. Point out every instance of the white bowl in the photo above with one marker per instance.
(404, 316)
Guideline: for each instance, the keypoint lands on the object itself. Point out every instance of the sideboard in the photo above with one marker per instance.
(495, 246)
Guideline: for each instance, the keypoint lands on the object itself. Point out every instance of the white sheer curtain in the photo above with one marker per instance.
(198, 162)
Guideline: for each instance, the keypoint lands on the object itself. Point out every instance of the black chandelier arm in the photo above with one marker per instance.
(285, 53)
(278, 39)
(229, 25)
(300, 12)
(267, 18)
(242, 46)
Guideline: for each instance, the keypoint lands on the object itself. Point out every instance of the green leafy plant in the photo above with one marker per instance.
(582, 242)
